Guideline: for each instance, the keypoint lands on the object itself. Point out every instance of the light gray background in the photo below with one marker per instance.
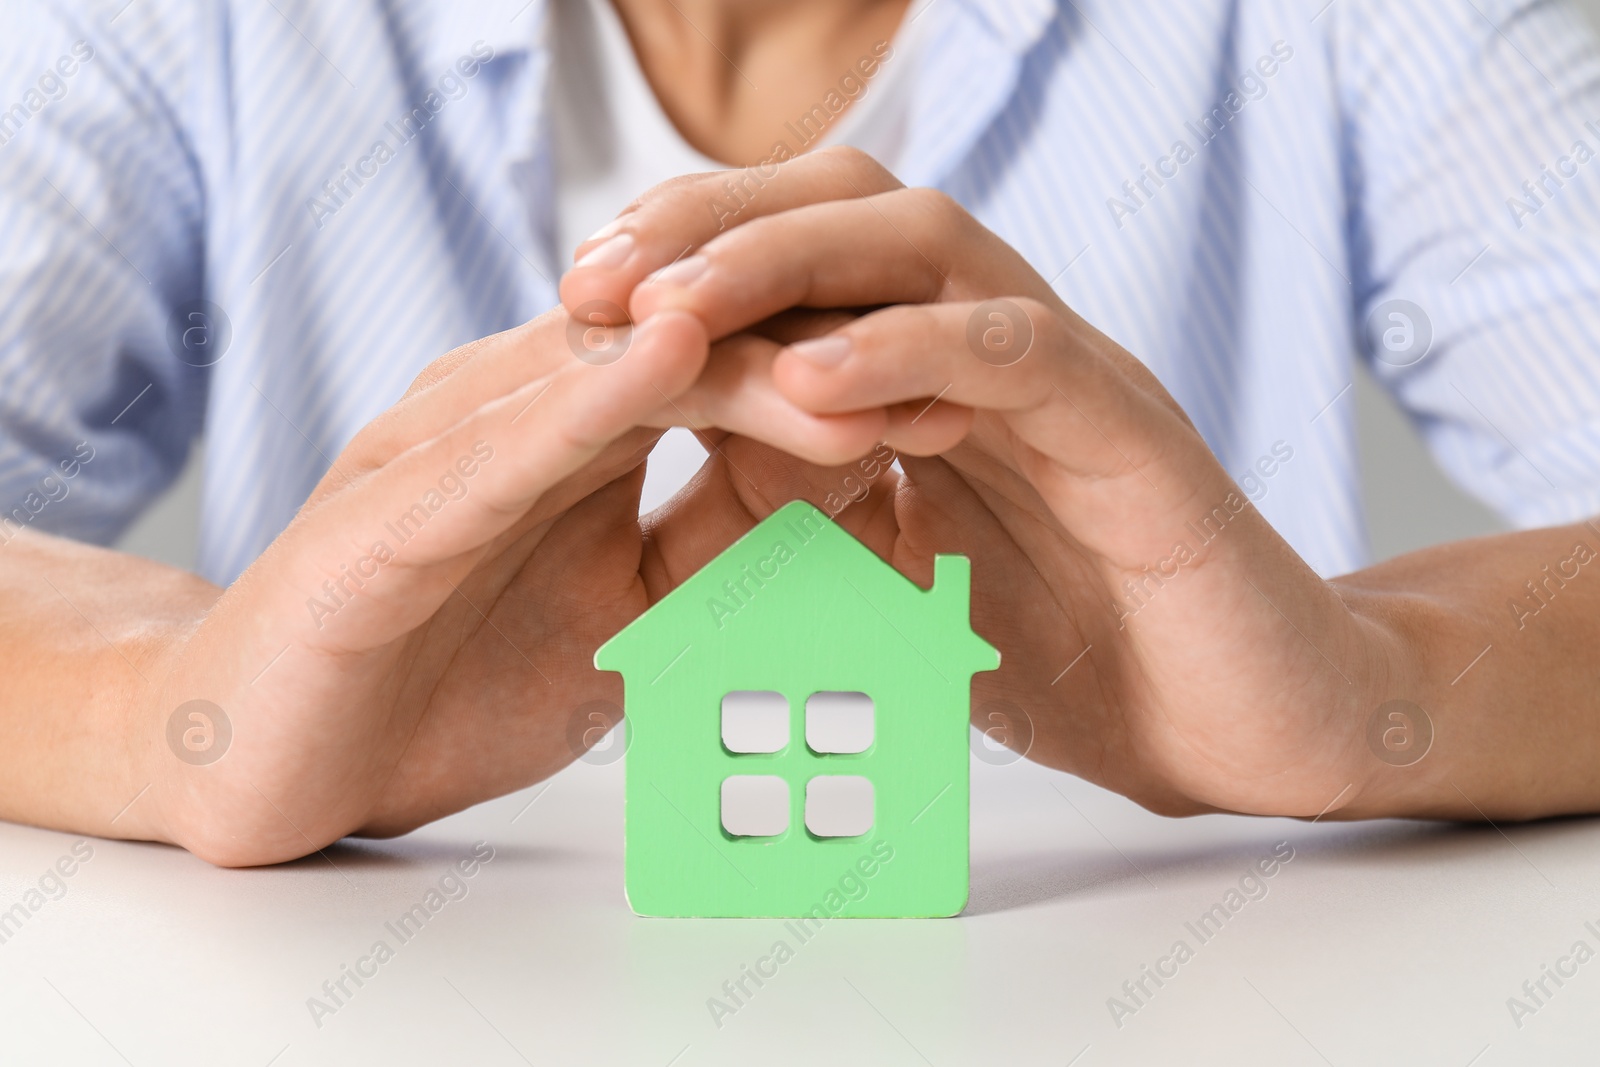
(1409, 503)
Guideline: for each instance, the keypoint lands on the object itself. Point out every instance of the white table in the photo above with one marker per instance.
(1378, 943)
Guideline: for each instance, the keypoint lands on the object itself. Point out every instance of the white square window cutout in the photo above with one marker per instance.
(755, 805)
(755, 720)
(839, 722)
(839, 805)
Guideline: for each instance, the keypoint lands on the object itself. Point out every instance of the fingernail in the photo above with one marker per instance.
(682, 272)
(608, 254)
(607, 230)
(829, 351)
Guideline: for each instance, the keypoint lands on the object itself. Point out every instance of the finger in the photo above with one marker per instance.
(927, 428)
(898, 354)
(735, 394)
(674, 218)
(1066, 395)
(457, 383)
(433, 508)
(792, 325)
(909, 246)
(784, 328)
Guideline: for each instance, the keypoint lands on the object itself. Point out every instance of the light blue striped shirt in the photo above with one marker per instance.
(1249, 195)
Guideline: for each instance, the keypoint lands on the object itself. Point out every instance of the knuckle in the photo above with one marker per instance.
(1041, 317)
(850, 157)
(939, 206)
(669, 189)
(848, 153)
(656, 207)
(938, 224)
(863, 168)
(676, 188)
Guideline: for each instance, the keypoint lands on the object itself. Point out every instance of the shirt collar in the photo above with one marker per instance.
(450, 29)
(1017, 24)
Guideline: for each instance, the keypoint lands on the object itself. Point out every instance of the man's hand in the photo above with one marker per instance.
(418, 637)
(1241, 681)
(421, 637)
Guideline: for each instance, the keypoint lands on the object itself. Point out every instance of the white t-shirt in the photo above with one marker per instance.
(613, 141)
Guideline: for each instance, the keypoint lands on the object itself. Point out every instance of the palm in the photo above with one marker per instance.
(505, 667)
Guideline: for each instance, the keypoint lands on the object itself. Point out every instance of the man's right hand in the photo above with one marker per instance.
(420, 636)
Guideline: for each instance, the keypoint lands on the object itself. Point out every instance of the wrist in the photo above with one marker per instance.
(1390, 762)
(153, 731)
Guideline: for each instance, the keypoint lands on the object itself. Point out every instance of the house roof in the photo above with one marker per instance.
(799, 563)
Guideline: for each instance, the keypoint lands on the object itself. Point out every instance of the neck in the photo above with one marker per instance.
(729, 72)
(729, 29)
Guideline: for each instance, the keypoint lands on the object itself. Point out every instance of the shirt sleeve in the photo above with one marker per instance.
(1473, 156)
(101, 265)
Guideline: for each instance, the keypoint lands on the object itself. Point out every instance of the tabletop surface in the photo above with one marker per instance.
(1390, 942)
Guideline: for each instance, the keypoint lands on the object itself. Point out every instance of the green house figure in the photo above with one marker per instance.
(798, 714)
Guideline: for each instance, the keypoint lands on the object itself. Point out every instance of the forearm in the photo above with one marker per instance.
(1496, 640)
(83, 631)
